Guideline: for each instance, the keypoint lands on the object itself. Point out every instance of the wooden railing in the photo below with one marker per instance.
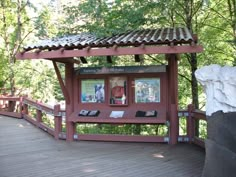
(197, 116)
(193, 116)
(34, 112)
(11, 106)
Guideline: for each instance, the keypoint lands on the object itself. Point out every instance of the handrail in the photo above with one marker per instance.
(38, 105)
(10, 106)
(9, 98)
(23, 112)
(41, 107)
(192, 118)
(23, 103)
(196, 116)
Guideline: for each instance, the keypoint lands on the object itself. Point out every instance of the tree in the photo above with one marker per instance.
(224, 12)
(105, 18)
(13, 16)
(16, 25)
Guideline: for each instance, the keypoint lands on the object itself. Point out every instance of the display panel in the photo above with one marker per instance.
(118, 90)
(147, 90)
(92, 91)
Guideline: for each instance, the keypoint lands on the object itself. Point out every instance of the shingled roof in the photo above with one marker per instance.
(162, 36)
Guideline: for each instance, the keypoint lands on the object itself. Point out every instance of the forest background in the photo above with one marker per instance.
(24, 22)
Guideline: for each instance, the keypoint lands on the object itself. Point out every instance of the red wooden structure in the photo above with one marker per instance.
(74, 49)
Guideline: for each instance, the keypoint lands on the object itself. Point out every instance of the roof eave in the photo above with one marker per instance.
(110, 51)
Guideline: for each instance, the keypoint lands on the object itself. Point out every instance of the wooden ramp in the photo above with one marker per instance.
(26, 151)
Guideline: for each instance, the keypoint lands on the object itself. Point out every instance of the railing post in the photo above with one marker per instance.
(174, 125)
(11, 106)
(57, 121)
(39, 116)
(21, 107)
(190, 123)
(25, 109)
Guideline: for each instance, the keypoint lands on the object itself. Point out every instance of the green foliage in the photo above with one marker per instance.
(182, 126)
(104, 18)
(13, 22)
(126, 129)
(35, 80)
(48, 120)
(46, 25)
(213, 21)
(3, 68)
(202, 129)
(32, 112)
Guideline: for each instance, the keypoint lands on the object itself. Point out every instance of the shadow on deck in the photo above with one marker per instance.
(28, 151)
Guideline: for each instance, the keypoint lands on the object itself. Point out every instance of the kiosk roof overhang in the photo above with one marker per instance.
(148, 41)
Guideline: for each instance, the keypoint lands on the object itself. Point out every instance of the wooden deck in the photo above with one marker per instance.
(28, 151)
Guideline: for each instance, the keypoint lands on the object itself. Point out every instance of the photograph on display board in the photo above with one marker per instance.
(92, 91)
(118, 92)
(147, 90)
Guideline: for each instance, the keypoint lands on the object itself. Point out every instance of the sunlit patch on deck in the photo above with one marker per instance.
(158, 155)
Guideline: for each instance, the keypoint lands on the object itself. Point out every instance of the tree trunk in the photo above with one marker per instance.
(193, 57)
(12, 54)
(194, 83)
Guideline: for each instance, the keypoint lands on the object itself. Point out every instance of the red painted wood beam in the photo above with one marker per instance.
(57, 121)
(10, 98)
(65, 60)
(69, 83)
(83, 60)
(111, 51)
(63, 87)
(173, 98)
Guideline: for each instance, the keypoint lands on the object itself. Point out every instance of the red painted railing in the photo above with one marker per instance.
(11, 106)
(196, 116)
(33, 111)
(193, 116)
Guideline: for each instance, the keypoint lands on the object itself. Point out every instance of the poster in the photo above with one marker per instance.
(92, 91)
(118, 90)
(147, 90)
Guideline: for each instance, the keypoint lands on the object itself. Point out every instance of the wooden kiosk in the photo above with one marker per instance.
(119, 94)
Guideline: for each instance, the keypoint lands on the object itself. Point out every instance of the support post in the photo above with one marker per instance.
(174, 124)
(39, 116)
(11, 106)
(190, 123)
(21, 108)
(57, 121)
(25, 109)
(62, 85)
(173, 97)
(70, 126)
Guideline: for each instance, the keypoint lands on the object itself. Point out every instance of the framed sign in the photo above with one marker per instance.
(147, 90)
(122, 69)
(118, 90)
(92, 91)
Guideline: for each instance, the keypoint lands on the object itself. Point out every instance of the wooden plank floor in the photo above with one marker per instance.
(26, 151)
